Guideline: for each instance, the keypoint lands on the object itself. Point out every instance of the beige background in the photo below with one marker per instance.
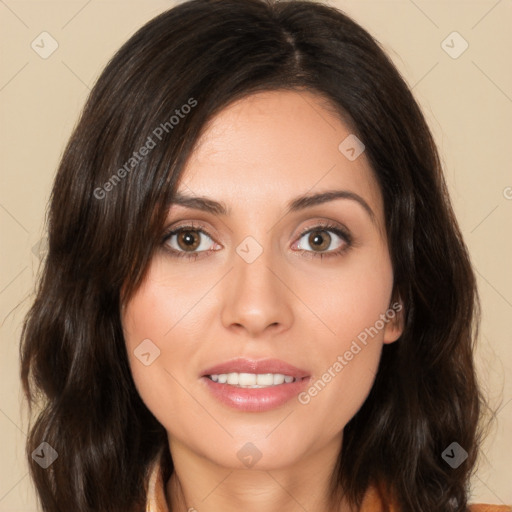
(467, 101)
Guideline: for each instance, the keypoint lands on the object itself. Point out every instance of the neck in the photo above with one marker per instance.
(203, 486)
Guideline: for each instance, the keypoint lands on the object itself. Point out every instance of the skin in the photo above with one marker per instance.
(256, 155)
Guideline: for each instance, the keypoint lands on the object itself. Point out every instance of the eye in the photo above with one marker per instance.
(188, 241)
(322, 242)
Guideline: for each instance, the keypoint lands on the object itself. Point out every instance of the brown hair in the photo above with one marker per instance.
(104, 225)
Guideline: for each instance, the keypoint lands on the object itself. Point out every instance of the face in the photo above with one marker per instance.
(253, 287)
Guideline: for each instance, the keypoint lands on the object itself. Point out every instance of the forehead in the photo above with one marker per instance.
(272, 146)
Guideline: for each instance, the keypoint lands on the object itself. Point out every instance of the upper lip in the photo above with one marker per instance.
(243, 365)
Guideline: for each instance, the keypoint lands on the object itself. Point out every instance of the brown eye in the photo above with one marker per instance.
(324, 240)
(319, 240)
(188, 240)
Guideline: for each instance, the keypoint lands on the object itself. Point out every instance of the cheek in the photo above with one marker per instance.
(151, 321)
(352, 305)
(161, 307)
(350, 299)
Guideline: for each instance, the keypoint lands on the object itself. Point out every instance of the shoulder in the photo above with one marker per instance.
(480, 507)
(378, 498)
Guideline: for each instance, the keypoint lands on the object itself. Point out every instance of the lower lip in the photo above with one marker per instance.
(255, 399)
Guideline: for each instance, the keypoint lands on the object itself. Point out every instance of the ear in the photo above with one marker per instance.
(395, 321)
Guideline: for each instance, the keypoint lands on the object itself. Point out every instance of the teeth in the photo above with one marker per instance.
(279, 378)
(252, 380)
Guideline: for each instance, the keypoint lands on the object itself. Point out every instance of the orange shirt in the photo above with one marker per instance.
(373, 500)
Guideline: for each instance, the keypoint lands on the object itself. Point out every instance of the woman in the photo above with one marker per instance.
(256, 294)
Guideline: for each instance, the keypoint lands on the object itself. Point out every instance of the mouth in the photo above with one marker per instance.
(254, 386)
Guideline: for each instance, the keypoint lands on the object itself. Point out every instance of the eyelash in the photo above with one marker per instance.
(323, 226)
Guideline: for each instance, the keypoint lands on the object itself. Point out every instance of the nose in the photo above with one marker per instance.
(256, 298)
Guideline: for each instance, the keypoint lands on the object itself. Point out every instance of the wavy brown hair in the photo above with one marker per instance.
(74, 366)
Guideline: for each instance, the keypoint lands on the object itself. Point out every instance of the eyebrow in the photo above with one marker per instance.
(299, 203)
